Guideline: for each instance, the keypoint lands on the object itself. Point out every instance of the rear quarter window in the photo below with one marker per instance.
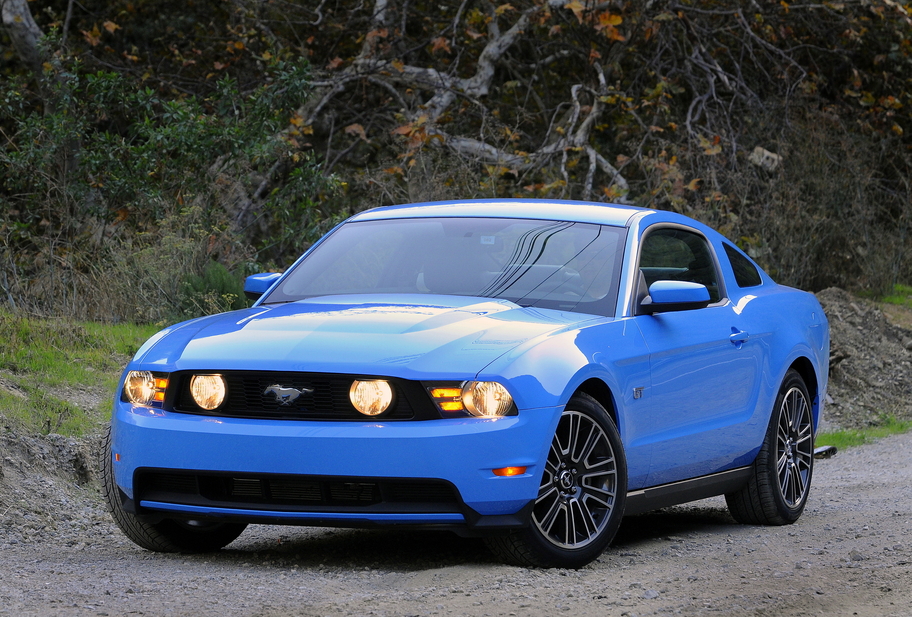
(746, 274)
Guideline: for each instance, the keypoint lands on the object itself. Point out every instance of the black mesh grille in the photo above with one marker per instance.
(323, 396)
(175, 483)
(294, 493)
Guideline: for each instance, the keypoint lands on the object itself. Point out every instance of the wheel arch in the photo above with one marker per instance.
(805, 368)
(601, 392)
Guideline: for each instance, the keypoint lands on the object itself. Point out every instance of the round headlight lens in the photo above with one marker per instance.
(208, 391)
(371, 397)
(486, 399)
(139, 387)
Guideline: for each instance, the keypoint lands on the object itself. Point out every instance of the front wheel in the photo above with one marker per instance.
(168, 535)
(581, 497)
(781, 480)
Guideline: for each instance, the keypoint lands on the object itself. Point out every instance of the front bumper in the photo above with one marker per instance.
(461, 453)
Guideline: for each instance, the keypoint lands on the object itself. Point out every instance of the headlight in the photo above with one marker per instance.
(208, 391)
(371, 397)
(486, 399)
(144, 388)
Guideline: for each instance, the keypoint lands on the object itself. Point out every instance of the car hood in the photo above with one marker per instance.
(405, 336)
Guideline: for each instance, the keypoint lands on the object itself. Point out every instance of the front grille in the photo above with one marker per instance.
(324, 397)
(295, 493)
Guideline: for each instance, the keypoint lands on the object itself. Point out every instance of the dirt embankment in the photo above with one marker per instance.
(870, 363)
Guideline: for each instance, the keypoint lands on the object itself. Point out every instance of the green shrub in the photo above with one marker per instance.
(215, 291)
(118, 198)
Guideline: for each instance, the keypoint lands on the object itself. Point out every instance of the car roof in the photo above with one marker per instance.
(576, 211)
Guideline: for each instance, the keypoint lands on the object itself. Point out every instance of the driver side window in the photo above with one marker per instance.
(672, 254)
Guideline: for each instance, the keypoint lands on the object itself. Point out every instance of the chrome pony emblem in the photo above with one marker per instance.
(285, 396)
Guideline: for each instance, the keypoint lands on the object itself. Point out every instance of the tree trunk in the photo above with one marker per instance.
(23, 32)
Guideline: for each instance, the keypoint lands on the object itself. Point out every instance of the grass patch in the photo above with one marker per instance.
(59, 375)
(901, 296)
(46, 413)
(889, 425)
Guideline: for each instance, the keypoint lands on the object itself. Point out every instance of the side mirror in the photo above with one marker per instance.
(257, 284)
(665, 296)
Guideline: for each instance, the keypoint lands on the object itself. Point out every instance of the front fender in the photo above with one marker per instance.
(547, 371)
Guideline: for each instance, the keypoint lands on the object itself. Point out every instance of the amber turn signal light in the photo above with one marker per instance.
(510, 471)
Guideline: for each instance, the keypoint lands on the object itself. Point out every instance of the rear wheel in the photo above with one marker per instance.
(781, 480)
(168, 535)
(581, 496)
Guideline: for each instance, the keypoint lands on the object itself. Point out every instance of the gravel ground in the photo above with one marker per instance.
(850, 554)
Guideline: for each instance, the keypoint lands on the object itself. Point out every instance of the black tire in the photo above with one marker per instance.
(167, 535)
(581, 496)
(777, 491)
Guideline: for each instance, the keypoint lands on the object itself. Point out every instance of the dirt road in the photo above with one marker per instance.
(850, 554)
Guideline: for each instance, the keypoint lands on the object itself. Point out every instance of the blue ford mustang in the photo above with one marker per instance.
(525, 371)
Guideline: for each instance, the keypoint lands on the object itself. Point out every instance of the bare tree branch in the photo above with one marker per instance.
(443, 89)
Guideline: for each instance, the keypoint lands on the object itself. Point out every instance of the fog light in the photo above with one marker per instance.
(371, 397)
(208, 391)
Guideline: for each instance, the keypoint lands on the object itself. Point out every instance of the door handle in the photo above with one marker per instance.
(738, 337)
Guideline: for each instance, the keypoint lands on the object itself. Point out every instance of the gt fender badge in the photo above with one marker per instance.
(285, 396)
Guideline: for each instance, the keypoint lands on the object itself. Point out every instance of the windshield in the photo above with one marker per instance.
(550, 264)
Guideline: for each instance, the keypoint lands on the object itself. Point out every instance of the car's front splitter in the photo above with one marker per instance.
(306, 518)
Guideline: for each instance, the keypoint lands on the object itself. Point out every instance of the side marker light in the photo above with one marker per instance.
(509, 471)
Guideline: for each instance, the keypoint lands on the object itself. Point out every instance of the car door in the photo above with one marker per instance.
(704, 369)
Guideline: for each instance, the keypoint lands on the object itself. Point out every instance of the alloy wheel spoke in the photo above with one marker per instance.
(785, 482)
(575, 437)
(583, 524)
(588, 445)
(547, 484)
(798, 481)
(801, 409)
(570, 537)
(791, 409)
(782, 462)
(784, 428)
(604, 498)
(548, 520)
(605, 465)
(551, 466)
(558, 451)
(598, 480)
(550, 494)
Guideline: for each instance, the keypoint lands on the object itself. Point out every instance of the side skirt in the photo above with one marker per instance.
(676, 493)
